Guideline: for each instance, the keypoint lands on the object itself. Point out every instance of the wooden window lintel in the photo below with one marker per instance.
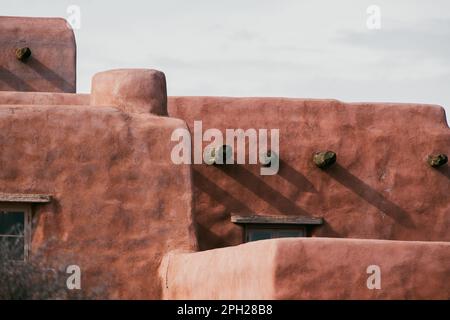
(25, 198)
(266, 219)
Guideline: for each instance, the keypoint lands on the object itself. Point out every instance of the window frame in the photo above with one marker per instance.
(268, 222)
(27, 211)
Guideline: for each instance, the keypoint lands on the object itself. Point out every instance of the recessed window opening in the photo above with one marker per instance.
(15, 231)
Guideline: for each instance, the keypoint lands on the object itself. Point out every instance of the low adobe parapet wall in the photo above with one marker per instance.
(311, 268)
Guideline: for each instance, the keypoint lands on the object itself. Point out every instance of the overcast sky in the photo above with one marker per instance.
(308, 49)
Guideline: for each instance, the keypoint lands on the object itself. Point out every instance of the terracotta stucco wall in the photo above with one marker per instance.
(52, 64)
(381, 186)
(118, 203)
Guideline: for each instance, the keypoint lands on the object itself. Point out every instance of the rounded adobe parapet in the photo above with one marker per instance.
(131, 90)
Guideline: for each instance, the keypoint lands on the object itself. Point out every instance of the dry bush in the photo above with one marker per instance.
(35, 279)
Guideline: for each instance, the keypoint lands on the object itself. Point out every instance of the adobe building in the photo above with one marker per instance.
(90, 177)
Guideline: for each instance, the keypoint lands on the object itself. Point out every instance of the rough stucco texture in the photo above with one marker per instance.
(311, 268)
(381, 186)
(114, 211)
(52, 65)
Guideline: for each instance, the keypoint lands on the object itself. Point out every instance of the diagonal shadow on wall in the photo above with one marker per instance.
(51, 76)
(13, 81)
(375, 198)
(296, 178)
(218, 194)
(263, 190)
(207, 239)
(445, 170)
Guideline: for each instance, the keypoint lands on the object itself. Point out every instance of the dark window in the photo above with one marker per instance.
(13, 232)
(12, 223)
(254, 233)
